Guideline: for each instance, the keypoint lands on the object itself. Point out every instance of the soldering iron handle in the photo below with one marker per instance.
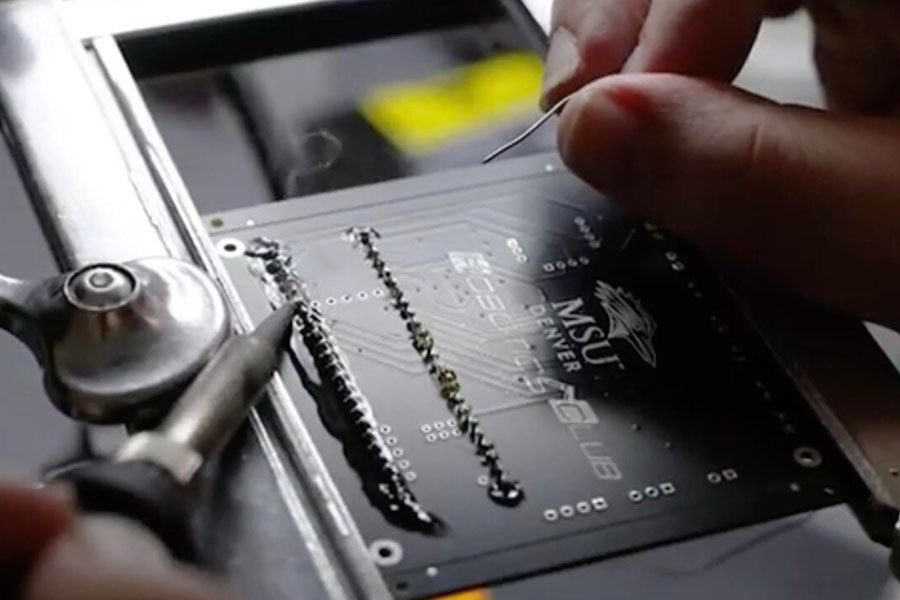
(141, 492)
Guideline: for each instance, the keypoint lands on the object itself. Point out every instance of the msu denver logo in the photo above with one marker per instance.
(628, 321)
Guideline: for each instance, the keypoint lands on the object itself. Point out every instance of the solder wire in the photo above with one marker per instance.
(394, 496)
(501, 488)
(556, 109)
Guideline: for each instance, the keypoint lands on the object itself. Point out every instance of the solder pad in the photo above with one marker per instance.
(622, 388)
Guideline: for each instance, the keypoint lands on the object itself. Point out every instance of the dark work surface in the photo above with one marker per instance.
(232, 130)
(669, 409)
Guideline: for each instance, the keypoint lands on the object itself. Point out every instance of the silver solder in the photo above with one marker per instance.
(555, 110)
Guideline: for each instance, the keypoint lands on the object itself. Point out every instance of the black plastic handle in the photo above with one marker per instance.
(141, 492)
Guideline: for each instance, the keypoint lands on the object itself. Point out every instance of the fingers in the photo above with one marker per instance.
(594, 38)
(704, 38)
(30, 519)
(47, 554)
(589, 39)
(71, 569)
(812, 199)
(858, 54)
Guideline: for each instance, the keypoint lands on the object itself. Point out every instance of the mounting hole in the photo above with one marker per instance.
(894, 472)
(216, 222)
(231, 248)
(386, 553)
(402, 586)
(808, 457)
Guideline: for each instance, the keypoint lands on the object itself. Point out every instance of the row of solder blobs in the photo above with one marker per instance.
(348, 414)
(501, 488)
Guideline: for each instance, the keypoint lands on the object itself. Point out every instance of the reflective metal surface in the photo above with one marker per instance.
(335, 547)
(62, 142)
(220, 397)
(216, 403)
(117, 341)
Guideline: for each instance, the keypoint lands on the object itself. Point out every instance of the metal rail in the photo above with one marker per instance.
(365, 580)
(106, 189)
(95, 18)
(83, 190)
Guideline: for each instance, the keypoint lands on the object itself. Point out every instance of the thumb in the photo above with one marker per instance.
(810, 198)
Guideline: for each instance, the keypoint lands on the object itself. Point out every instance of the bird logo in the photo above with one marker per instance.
(628, 320)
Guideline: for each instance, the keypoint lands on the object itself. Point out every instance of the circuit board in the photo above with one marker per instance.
(599, 371)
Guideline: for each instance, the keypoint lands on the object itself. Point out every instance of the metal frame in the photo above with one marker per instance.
(319, 489)
(67, 154)
(90, 19)
(106, 189)
(48, 45)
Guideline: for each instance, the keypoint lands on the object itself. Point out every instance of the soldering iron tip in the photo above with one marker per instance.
(275, 329)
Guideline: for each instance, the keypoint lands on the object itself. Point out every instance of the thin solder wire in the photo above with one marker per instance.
(556, 109)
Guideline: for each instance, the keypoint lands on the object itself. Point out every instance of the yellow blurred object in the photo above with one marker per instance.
(479, 594)
(419, 117)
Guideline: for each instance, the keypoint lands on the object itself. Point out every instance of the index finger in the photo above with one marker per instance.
(589, 39)
(701, 38)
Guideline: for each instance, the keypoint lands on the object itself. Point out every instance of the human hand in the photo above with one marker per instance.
(47, 554)
(811, 198)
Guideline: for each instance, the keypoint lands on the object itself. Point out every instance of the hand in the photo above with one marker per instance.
(811, 198)
(46, 555)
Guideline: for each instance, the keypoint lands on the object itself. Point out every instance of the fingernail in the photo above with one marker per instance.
(561, 64)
